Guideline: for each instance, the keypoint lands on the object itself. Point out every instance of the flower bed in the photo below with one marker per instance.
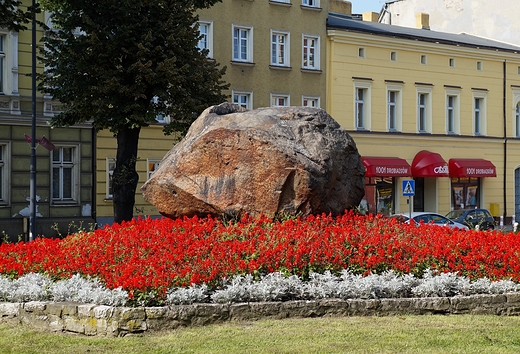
(148, 257)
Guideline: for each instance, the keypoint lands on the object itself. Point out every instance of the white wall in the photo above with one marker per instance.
(497, 20)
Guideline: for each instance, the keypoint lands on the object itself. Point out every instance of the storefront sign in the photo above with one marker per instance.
(386, 167)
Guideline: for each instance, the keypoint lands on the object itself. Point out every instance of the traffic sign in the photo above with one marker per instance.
(408, 188)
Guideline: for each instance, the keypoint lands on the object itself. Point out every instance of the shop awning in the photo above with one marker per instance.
(472, 168)
(429, 164)
(386, 167)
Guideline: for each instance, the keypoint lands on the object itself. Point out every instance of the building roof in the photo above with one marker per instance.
(346, 22)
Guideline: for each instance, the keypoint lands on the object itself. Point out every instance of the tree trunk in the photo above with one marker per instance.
(125, 178)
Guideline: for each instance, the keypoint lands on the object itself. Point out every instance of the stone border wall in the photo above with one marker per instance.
(99, 320)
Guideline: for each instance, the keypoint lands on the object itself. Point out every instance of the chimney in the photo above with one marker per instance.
(422, 20)
(340, 7)
(371, 16)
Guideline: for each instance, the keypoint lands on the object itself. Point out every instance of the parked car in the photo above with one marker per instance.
(473, 217)
(429, 218)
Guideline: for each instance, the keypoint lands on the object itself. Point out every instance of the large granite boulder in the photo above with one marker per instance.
(275, 161)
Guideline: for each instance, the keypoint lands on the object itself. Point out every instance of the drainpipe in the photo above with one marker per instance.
(504, 111)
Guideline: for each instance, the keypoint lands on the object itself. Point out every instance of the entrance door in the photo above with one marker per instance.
(517, 194)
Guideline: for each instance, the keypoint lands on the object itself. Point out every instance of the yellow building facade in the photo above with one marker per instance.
(441, 109)
(274, 50)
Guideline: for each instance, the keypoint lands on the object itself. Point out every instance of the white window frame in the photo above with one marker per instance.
(247, 95)
(311, 101)
(517, 120)
(2, 63)
(307, 62)
(311, 3)
(455, 111)
(151, 166)
(424, 59)
(242, 54)
(9, 66)
(424, 111)
(62, 166)
(394, 108)
(362, 52)
(516, 113)
(5, 173)
(393, 55)
(110, 167)
(277, 97)
(480, 113)
(280, 52)
(480, 65)
(207, 41)
(366, 105)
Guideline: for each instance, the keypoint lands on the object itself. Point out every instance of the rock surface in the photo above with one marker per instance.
(280, 160)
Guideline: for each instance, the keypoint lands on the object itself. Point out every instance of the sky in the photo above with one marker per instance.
(360, 6)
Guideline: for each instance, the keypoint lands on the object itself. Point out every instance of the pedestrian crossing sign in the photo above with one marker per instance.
(408, 188)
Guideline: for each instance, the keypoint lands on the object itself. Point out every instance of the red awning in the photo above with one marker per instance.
(472, 168)
(386, 167)
(429, 164)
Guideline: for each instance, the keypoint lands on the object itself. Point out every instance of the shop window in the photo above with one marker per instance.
(465, 193)
(379, 195)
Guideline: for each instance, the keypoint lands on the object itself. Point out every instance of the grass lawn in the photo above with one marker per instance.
(407, 334)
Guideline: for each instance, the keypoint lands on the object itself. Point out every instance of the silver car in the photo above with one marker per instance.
(429, 218)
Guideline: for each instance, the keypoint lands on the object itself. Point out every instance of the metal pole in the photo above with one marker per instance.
(32, 205)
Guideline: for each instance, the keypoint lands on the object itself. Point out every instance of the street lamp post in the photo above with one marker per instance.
(32, 184)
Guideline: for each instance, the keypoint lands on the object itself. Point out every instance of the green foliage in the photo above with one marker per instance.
(13, 16)
(107, 61)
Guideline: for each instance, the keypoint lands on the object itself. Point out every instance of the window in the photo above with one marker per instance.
(242, 44)
(243, 99)
(361, 52)
(517, 120)
(64, 174)
(452, 111)
(393, 110)
(279, 100)
(424, 110)
(423, 59)
(479, 65)
(4, 174)
(393, 56)
(311, 55)
(2, 63)
(280, 48)
(362, 106)
(153, 165)
(111, 166)
(452, 62)
(311, 3)
(479, 115)
(206, 39)
(310, 101)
